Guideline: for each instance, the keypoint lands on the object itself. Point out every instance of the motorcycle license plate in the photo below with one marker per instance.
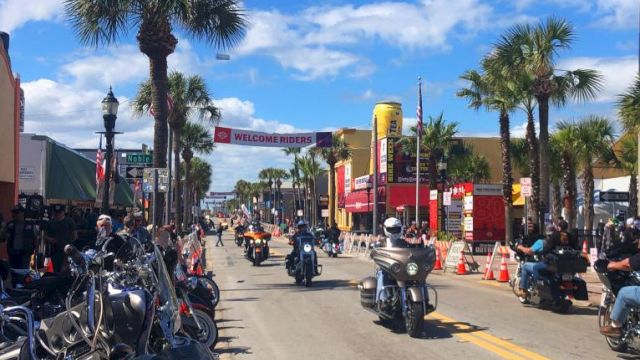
(567, 277)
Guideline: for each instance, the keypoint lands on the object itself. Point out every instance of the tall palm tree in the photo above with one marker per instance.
(191, 99)
(201, 172)
(311, 170)
(195, 138)
(241, 189)
(338, 151)
(533, 50)
(278, 176)
(628, 105)
(595, 139)
(520, 156)
(267, 176)
(566, 139)
(436, 140)
(467, 166)
(488, 90)
(219, 22)
(628, 160)
(555, 170)
(295, 172)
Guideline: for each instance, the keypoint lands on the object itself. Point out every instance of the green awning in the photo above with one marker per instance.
(71, 176)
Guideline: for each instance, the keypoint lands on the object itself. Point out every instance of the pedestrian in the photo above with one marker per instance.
(141, 233)
(61, 231)
(219, 231)
(21, 237)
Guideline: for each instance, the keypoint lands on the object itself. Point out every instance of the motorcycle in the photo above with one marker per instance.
(239, 235)
(303, 264)
(17, 329)
(403, 272)
(331, 249)
(257, 246)
(612, 282)
(557, 284)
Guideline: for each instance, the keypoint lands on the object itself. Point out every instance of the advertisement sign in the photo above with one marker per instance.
(454, 219)
(468, 223)
(360, 183)
(446, 198)
(382, 165)
(347, 178)
(253, 138)
(459, 191)
(433, 195)
(401, 164)
(468, 203)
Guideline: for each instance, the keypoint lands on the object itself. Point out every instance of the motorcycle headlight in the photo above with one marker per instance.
(412, 269)
(257, 241)
(307, 247)
(251, 241)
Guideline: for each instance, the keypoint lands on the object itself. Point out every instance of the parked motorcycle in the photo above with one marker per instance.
(404, 284)
(257, 246)
(612, 282)
(558, 283)
(303, 265)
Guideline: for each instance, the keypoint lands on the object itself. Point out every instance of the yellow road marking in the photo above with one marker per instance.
(502, 348)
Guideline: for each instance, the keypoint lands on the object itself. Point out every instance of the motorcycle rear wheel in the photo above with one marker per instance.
(212, 286)
(605, 319)
(414, 321)
(209, 335)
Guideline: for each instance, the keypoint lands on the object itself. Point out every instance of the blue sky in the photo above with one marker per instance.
(310, 65)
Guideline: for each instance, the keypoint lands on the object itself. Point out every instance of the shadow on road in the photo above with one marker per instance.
(235, 350)
(226, 320)
(230, 327)
(457, 327)
(431, 331)
(327, 284)
(592, 310)
(244, 299)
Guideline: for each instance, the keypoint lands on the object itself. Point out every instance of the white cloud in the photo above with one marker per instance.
(618, 72)
(312, 41)
(618, 13)
(15, 13)
(519, 131)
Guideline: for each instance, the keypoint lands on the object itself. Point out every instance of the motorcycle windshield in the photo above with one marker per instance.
(167, 291)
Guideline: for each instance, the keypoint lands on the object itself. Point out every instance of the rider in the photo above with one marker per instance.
(334, 234)
(301, 231)
(394, 239)
(559, 237)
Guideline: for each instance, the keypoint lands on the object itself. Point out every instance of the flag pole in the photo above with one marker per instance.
(419, 127)
(374, 224)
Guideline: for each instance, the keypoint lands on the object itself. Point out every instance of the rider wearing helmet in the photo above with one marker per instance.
(301, 230)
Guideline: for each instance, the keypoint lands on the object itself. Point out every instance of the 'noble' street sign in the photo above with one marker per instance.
(139, 159)
(614, 196)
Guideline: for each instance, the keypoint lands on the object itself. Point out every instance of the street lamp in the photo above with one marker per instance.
(442, 171)
(109, 114)
(278, 199)
(369, 187)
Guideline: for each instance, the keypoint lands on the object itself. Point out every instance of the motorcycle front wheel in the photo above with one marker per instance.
(208, 335)
(414, 321)
(604, 318)
(212, 287)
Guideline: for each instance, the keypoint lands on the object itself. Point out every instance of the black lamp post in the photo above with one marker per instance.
(369, 187)
(278, 200)
(442, 171)
(109, 114)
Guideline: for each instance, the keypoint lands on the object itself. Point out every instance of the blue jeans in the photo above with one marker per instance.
(530, 268)
(628, 297)
(381, 294)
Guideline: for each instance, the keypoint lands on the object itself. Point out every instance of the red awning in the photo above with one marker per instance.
(357, 202)
(406, 195)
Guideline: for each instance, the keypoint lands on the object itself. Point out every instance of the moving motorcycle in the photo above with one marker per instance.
(558, 283)
(612, 282)
(405, 286)
(303, 265)
(331, 249)
(239, 235)
(257, 246)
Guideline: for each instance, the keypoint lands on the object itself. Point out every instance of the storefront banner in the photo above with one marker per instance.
(347, 178)
(360, 183)
(383, 156)
(401, 164)
(253, 138)
(459, 191)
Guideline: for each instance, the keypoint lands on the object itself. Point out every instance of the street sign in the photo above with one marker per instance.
(324, 213)
(614, 196)
(139, 159)
(134, 172)
(147, 179)
(446, 198)
(525, 186)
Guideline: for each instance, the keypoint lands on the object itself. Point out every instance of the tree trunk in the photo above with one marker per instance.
(177, 133)
(587, 185)
(332, 191)
(557, 200)
(534, 165)
(543, 115)
(507, 191)
(187, 188)
(433, 171)
(568, 173)
(633, 194)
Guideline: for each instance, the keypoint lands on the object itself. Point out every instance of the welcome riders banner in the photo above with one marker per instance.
(253, 138)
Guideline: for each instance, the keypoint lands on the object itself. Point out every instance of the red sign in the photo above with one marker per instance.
(458, 191)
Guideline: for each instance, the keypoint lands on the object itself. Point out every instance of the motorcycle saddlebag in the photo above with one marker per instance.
(368, 292)
(566, 263)
(580, 292)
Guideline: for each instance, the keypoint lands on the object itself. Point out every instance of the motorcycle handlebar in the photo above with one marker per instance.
(75, 255)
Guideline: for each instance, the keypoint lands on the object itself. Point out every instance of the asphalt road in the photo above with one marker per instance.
(264, 315)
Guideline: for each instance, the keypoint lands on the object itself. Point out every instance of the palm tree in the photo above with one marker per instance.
(190, 99)
(488, 90)
(195, 138)
(338, 151)
(436, 140)
(467, 166)
(311, 170)
(278, 176)
(629, 113)
(241, 189)
(533, 50)
(295, 172)
(555, 170)
(628, 160)
(219, 22)
(520, 156)
(201, 179)
(595, 139)
(267, 175)
(566, 139)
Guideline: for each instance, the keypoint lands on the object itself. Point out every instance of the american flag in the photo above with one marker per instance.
(169, 105)
(420, 126)
(99, 164)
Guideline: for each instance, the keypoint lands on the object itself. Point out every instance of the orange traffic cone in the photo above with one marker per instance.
(488, 269)
(585, 249)
(462, 269)
(438, 265)
(504, 272)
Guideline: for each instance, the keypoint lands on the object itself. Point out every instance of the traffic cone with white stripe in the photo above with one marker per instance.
(504, 271)
(585, 248)
(462, 268)
(438, 265)
(488, 270)
(48, 265)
